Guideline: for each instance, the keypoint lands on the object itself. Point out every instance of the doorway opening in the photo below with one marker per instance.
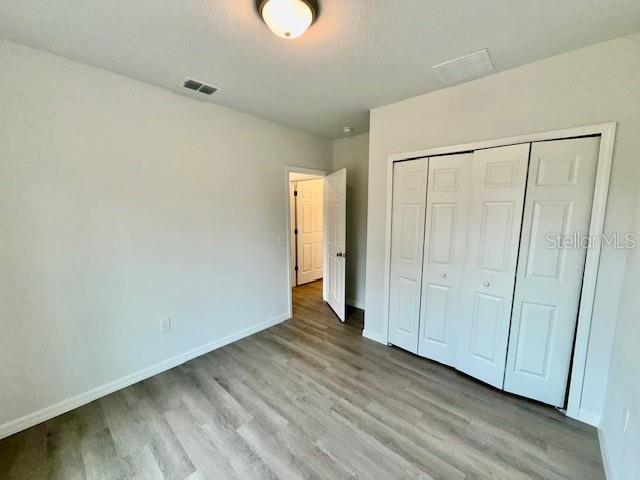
(307, 226)
(316, 239)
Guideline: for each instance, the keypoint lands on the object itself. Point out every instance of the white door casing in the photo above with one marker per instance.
(335, 255)
(309, 225)
(494, 222)
(444, 256)
(407, 240)
(549, 280)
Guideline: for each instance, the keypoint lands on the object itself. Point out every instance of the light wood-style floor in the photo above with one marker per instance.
(309, 398)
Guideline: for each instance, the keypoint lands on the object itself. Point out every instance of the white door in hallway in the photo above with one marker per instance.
(494, 222)
(309, 228)
(444, 256)
(549, 280)
(335, 231)
(407, 241)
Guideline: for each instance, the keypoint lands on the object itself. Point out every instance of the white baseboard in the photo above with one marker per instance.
(606, 461)
(374, 336)
(588, 418)
(47, 413)
(355, 303)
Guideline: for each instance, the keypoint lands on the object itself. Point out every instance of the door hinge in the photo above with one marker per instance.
(296, 268)
(295, 193)
(295, 232)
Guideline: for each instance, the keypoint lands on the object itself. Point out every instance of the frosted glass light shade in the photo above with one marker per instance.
(287, 18)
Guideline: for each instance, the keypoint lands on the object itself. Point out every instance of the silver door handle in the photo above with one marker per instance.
(486, 284)
(443, 275)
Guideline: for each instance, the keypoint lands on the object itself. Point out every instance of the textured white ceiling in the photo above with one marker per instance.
(360, 54)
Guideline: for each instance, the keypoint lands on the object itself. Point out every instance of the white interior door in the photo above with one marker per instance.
(497, 196)
(549, 279)
(444, 256)
(335, 228)
(407, 239)
(309, 228)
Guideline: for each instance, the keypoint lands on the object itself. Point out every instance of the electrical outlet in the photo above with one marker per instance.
(165, 324)
(626, 414)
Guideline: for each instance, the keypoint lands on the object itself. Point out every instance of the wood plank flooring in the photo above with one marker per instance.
(307, 399)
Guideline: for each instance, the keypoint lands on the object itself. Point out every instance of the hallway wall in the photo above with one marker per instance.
(352, 153)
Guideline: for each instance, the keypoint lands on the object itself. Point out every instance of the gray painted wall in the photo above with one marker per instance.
(122, 204)
(352, 153)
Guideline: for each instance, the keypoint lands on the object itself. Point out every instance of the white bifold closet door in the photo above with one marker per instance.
(549, 280)
(407, 239)
(494, 222)
(444, 256)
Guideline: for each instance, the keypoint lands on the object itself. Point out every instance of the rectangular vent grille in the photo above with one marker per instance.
(207, 89)
(467, 67)
(200, 87)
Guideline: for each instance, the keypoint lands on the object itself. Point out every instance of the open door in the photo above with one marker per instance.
(335, 228)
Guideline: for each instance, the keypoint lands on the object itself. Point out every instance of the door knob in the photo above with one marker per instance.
(345, 254)
(443, 275)
(486, 284)
(339, 254)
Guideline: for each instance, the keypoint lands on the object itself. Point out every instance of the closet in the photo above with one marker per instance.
(479, 279)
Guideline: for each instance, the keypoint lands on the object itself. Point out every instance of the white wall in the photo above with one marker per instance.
(352, 153)
(592, 85)
(623, 389)
(121, 204)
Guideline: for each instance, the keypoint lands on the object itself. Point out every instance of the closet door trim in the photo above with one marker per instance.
(607, 132)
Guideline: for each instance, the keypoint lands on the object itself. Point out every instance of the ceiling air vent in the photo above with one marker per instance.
(467, 67)
(199, 87)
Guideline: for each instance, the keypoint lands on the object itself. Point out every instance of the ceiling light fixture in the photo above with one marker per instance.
(288, 18)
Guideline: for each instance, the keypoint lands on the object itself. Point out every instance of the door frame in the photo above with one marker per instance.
(607, 133)
(287, 170)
